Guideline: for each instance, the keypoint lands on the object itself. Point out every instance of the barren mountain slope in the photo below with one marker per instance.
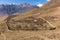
(50, 12)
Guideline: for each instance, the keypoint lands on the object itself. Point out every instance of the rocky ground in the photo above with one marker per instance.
(49, 12)
(33, 34)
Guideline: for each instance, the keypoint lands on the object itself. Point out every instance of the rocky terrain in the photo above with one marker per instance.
(13, 9)
(38, 24)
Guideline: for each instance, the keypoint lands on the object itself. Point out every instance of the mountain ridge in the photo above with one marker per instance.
(12, 8)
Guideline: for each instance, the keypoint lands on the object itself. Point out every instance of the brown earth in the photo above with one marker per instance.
(50, 12)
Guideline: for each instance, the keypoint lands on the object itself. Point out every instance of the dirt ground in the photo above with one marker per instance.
(33, 35)
(53, 17)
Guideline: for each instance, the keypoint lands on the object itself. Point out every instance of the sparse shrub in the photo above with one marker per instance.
(29, 24)
(18, 27)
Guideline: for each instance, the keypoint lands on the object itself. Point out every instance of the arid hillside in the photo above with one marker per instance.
(38, 24)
